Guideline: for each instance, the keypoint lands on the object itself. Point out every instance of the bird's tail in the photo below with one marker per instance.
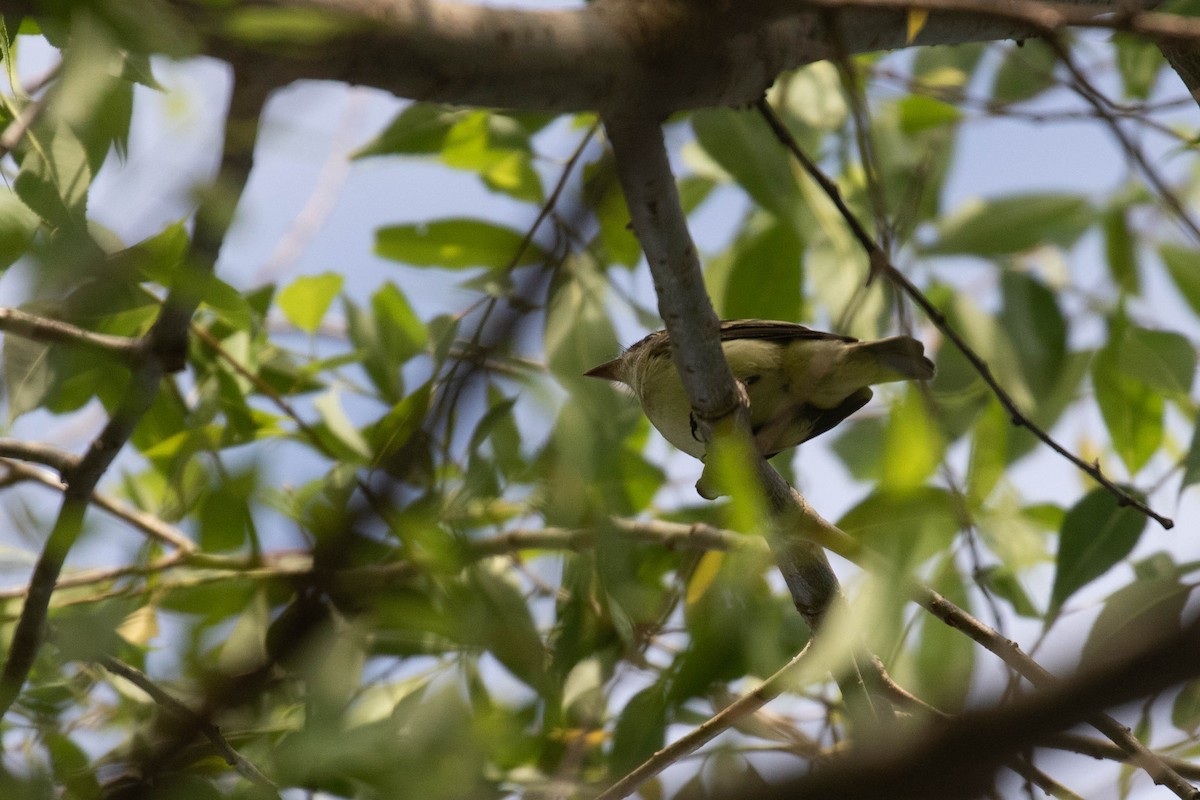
(902, 355)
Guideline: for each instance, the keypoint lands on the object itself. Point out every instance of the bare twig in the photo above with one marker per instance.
(154, 527)
(60, 461)
(730, 715)
(1100, 104)
(211, 732)
(881, 264)
(41, 329)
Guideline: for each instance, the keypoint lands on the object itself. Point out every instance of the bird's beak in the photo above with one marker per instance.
(609, 371)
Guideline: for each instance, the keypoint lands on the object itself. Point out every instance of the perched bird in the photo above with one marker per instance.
(800, 382)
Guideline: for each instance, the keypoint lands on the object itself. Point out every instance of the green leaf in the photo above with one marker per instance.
(1120, 251)
(1096, 534)
(857, 444)
(1013, 224)
(29, 374)
(1191, 464)
(905, 528)
(1162, 359)
(54, 177)
(1139, 61)
(912, 445)
(602, 192)
(1183, 265)
(1026, 72)
(497, 148)
(1132, 410)
(989, 451)
(306, 300)
(1185, 711)
(352, 445)
(1036, 327)
(921, 113)
(766, 277)
(420, 128)
(401, 333)
(745, 148)
(1003, 583)
(18, 224)
(1144, 610)
(640, 731)
(455, 244)
(396, 428)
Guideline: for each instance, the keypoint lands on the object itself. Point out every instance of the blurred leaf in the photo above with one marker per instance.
(1096, 534)
(857, 444)
(1036, 328)
(17, 227)
(1162, 359)
(1026, 72)
(947, 66)
(1139, 61)
(703, 576)
(54, 177)
(73, 768)
(1002, 582)
(420, 128)
(989, 451)
(640, 731)
(912, 444)
(455, 244)
(29, 373)
(501, 622)
(602, 192)
(745, 148)
(306, 300)
(1013, 224)
(1121, 251)
(342, 433)
(1132, 410)
(904, 528)
(1184, 267)
(921, 113)
(766, 278)
(1185, 711)
(1145, 611)
(497, 148)
(1191, 464)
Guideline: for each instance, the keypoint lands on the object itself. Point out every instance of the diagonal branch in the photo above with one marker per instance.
(41, 329)
(882, 265)
(232, 757)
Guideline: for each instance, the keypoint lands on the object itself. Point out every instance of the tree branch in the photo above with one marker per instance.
(211, 732)
(54, 331)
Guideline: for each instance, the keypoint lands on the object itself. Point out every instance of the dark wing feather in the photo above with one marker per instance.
(825, 419)
(773, 330)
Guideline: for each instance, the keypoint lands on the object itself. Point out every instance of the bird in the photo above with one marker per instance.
(800, 382)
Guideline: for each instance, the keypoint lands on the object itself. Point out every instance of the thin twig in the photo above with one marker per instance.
(1100, 104)
(881, 264)
(53, 331)
(149, 524)
(744, 706)
(211, 732)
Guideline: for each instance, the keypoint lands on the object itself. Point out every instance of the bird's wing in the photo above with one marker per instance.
(771, 329)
